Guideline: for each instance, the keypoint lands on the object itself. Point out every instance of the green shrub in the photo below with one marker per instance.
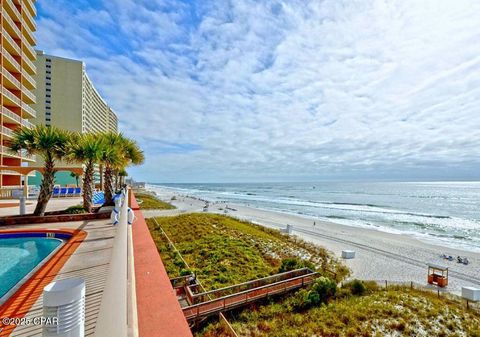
(320, 292)
(357, 287)
(289, 264)
(78, 209)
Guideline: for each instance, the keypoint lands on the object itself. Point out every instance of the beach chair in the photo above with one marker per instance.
(70, 192)
(63, 191)
(56, 191)
(78, 191)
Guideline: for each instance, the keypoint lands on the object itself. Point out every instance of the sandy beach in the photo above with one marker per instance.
(379, 255)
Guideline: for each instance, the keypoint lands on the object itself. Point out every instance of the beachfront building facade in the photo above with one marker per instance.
(67, 99)
(17, 83)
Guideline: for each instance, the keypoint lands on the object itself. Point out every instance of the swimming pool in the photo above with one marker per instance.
(21, 254)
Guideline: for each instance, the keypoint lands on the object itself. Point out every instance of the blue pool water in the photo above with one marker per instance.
(19, 256)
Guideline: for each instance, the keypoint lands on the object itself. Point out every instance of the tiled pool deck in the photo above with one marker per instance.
(89, 261)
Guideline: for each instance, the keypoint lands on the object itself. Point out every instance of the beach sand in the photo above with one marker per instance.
(379, 255)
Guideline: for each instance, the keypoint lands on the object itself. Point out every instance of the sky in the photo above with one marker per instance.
(248, 90)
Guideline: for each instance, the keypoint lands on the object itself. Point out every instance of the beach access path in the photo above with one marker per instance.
(379, 255)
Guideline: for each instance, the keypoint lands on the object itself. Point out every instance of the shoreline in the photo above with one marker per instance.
(380, 255)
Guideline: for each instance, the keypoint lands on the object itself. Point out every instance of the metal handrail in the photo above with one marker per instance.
(10, 58)
(12, 78)
(11, 96)
(29, 109)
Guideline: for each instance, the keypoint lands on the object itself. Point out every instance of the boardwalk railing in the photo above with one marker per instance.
(281, 284)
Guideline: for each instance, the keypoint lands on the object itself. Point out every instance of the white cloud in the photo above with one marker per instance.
(284, 89)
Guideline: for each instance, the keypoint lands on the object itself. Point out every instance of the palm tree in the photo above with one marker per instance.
(87, 149)
(122, 174)
(50, 143)
(119, 152)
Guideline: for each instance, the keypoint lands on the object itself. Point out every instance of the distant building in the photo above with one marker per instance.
(67, 99)
(17, 68)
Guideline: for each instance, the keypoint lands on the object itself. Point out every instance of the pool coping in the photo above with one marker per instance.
(20, 302)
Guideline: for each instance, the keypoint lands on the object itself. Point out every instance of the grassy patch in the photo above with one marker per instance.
(78, 209)
(149, 201)
(223, 251)
(396, 312)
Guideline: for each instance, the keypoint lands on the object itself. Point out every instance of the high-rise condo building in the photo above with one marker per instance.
(17, 82)
(66, 97)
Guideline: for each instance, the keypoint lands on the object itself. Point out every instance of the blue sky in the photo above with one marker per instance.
(283, 90)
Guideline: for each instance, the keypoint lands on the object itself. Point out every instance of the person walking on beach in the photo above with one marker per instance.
(314, 224)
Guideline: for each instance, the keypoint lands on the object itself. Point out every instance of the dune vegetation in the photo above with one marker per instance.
(149, 201)
(224, 251)
(399, 311)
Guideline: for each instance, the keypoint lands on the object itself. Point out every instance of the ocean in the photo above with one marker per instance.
(445, 213)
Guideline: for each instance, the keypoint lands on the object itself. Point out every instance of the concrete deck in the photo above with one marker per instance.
(90, 261)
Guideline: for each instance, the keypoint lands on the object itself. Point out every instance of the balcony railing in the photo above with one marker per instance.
(29, 64)
(13, 44)
(29, 51)
(7, 132)
(8, 113)
(27, 124)
(31, 7)
(28, 33)
(9, 20)
(11, 78)
(22, 154)
(28, 109)
(31, 99)
(11, 96)
(29, 79)
(10, 59)
(13, 10)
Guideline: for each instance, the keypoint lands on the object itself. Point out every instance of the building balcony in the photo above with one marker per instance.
(10, 45)
(32, 10)
(27, 80)
(20, 154)
(10, 98)
(27, 124)
(12, 10)
(7, 132)
(10, 81)
(28, 65)
(11, 27)
(28, 96)
(9, 62)
(10, 116)
(29, 110)
(27, 33)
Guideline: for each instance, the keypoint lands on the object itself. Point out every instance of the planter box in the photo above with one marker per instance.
(48, 218)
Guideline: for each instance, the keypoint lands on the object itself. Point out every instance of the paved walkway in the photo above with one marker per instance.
(90, 261)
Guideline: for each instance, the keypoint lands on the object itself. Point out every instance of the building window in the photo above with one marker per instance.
(48, 95)
(48, 60)
(48, 102)
(48, 83)
(48, 66)
(48, 89)
(48, 78)
(49, 72)
(47, 107)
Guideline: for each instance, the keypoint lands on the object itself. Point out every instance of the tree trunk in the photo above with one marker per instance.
(46, 188)
(116, 182)
(88, 187)
(108, 186)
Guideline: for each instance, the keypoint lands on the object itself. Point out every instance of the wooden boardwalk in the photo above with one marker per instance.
(203, 305)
